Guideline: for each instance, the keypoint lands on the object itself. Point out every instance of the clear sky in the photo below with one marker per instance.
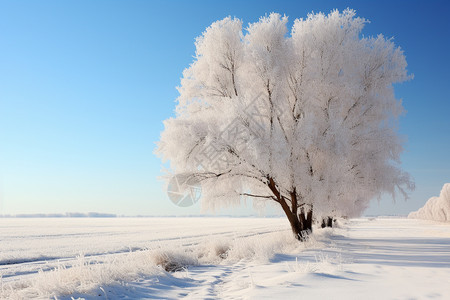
(85, 86)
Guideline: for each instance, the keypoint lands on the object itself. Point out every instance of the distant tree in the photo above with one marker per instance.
(307, 120)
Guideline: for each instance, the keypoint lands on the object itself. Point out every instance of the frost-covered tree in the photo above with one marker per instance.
(306, 119)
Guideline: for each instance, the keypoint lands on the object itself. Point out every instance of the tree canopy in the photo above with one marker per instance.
(307, 119)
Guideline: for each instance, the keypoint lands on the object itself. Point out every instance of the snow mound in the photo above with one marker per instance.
(436, 208)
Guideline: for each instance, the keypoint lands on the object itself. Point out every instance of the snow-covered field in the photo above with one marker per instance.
(230, 258)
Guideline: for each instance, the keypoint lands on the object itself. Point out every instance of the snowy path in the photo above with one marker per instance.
(365, 259)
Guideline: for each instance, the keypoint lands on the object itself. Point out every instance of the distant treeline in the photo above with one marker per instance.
(66, 215)
(105, 215)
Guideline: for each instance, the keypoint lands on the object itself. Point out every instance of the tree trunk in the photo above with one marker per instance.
(296, 230)
(301, 224)
(330, 222)
(327, 222)
(305, 221)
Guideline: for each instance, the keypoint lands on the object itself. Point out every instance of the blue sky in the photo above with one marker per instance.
(85, 86)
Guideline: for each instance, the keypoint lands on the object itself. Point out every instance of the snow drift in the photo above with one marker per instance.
(436, 208)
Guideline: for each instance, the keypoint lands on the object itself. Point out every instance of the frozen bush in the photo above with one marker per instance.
(436, 208)
(172, 261)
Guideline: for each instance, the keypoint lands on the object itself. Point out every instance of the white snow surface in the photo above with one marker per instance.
(436, 208)
(222, 258)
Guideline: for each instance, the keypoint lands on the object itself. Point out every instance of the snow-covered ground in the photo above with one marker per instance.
(230, 258)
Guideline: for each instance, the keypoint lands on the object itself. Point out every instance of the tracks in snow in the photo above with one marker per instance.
(24, 268)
